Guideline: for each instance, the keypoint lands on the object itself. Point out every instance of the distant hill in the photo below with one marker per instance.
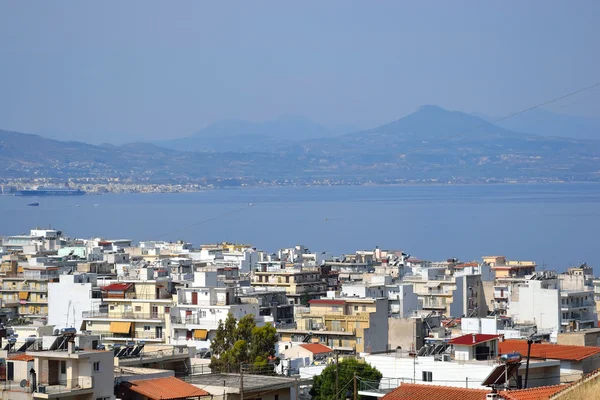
(239, 135)
(546, 123)
(431, 144)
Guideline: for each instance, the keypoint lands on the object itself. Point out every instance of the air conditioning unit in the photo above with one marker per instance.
(41, 389)
(446, 357)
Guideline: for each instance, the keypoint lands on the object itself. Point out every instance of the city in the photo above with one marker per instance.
(94, 318)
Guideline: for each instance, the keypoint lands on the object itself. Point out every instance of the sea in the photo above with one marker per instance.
(555, 225)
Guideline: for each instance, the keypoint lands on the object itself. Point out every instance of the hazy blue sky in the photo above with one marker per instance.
(119, 71)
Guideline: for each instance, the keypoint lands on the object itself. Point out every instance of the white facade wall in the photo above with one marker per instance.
(67, 301)
(403, 300)
(538, 305)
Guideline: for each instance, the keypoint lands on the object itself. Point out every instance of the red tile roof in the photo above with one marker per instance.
(538, 393)
(327, 301)
(472, 339)
(165, 388)
(316, 348)
(21, 357)
(117, 287)
(547, 350)
(411, 391)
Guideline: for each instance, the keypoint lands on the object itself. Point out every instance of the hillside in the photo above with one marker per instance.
(431, 144)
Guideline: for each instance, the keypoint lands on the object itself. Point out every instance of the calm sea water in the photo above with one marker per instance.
(555, 224)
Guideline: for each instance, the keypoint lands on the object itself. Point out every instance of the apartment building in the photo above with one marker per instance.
(24, 289)
(68, 374)
(70, 297)
(542, 301)
(299, 283)
(351, 325)
(450, 295)
(199, 308)
(504, 268)
(133, 309)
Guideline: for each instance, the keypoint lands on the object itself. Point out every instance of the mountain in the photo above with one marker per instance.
(546, 123)
(429, 145)
(239, 135)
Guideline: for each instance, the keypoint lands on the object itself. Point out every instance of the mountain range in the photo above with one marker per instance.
(431, 144)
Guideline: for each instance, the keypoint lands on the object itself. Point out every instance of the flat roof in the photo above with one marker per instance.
(231, 382)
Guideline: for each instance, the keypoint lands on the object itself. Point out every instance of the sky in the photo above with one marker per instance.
(117, 72)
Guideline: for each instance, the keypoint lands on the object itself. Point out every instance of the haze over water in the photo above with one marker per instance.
(555, 224)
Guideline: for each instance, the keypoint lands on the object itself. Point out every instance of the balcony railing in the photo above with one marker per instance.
(135, 336)
(65, 386)
(123, 315)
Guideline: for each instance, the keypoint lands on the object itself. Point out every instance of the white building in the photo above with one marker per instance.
(70, 297)
(542, 302)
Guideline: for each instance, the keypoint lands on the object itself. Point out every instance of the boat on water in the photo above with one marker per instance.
(50, 191)
(34, 204)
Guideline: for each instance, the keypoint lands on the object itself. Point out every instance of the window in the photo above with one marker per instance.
(146, 328)
(138, 308)
(167, 310)
(364, 308)
(335, 309)
(427, 376)
(203, 314)
(355, 308)
(63, 367)
(97, 366)
(112, 308)
(276, 397)
(358, 340)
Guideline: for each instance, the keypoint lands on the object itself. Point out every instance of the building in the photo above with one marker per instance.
(70, 297)
(475, 347)
(575, 361)
(586, 337)
(199, 308)
(312, 351)
(299, 283)
(343, 324)
(504, 268)
(228, 386)
(133, 309)
(541, 301)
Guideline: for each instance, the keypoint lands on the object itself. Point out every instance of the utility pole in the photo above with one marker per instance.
(337, 377)
(241, 381)
(355, 391)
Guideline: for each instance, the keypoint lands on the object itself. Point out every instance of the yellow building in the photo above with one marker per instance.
(344, 324)
(132, 310)
(24, 289)
(296, 282)
(504, 268)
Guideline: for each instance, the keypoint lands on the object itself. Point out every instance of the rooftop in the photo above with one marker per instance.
(231, 382)
(472, 339)
(165, 388)
(538, 393)
(547, 350)
(316, 348)
(411, 391)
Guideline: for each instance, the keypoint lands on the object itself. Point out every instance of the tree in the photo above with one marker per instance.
(324, 387)
(242, 342)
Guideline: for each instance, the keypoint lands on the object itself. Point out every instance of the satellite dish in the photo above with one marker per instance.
(23, 383)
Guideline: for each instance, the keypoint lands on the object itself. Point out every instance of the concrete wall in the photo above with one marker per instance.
(582, 338)
(406, 333)
(67, 301)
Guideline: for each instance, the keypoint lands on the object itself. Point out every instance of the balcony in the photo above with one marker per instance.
(123, 315)
(74, 387)
(120, 337)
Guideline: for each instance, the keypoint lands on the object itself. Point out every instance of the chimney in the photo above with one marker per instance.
(474, 338)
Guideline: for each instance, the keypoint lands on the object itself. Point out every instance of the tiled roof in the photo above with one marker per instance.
(117, 287)
(411, 391)
(472, 339)
(547, 350)
(165, 388)
(327, 301)
(21, 357)
(538, 393)
(316, 348)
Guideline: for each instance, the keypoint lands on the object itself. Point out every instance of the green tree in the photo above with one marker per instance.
(242, 342)
(324, 387)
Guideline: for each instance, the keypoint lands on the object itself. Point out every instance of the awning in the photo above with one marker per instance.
(120, 327)
(23, 295)
(432, 284)
(200, 334)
